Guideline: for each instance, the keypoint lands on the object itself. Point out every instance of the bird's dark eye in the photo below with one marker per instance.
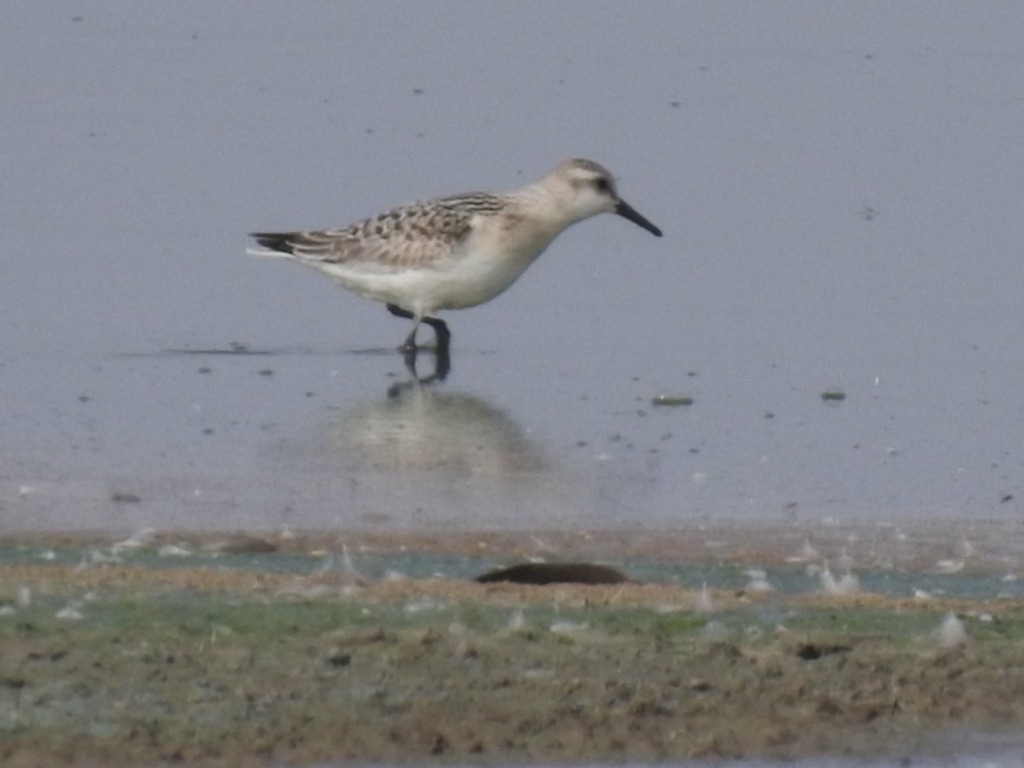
(602, 184)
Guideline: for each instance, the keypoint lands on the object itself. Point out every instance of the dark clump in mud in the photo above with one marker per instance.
(555, 573)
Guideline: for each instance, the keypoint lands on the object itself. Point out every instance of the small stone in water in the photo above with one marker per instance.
(671, 400)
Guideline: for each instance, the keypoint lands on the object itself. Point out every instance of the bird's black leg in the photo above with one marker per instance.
(442, 358)
(442, 365)
(441, 333)
(410, 341)
(409, 345)
(397, 311)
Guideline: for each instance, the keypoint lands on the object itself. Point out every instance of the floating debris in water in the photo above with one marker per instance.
(965, 548)
(100, 557)
(142, 538)
(173, 550)
(833, 395)
(951, 631)
(567, 627)
(702, 602)
(349, 575)
(671, 400)
(69, 613)
(807, 553)
(848, 584)
(555, 573)
(758, 581)
(342, 565)
(845, 560)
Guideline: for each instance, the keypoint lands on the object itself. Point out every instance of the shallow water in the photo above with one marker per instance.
(805, 252)
(318, 439)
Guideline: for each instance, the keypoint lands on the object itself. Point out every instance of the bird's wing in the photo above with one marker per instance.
(413, 235)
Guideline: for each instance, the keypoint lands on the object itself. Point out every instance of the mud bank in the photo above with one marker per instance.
(124, 663)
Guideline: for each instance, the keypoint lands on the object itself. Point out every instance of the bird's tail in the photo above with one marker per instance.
(275, 244)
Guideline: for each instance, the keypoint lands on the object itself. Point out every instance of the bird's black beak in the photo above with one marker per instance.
(626, 211)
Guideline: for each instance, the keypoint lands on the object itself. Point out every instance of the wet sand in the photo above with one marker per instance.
(131, 663)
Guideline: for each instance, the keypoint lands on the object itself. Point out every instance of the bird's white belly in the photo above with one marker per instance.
(453, 283)
(473, 281)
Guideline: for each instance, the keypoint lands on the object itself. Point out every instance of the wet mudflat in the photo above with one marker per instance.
(255, 651)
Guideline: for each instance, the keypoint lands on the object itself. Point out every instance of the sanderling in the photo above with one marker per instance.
(453, 252)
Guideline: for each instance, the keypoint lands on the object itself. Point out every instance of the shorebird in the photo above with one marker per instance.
(453, 252)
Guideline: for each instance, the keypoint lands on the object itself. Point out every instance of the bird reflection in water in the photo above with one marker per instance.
(441, 354)
(432, 456)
